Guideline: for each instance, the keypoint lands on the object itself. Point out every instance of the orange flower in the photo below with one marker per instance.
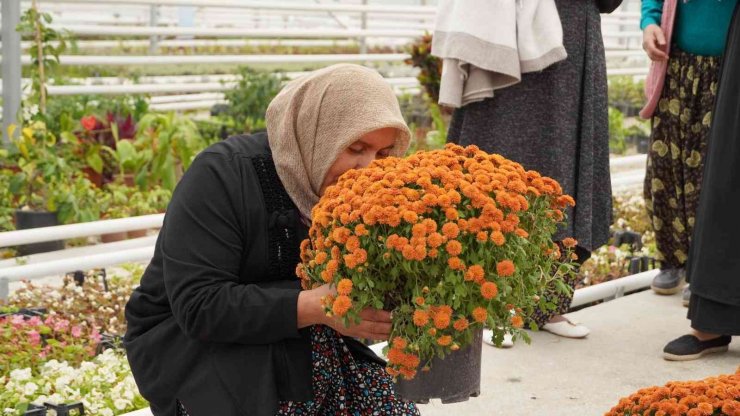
(410, 217)
(360, 230)
(407, 373)
(360, 256)
(505, 268)
(419, 301)
(353, 243)
(454, 248)
(570, 242)
(444, 340)
(409, 252)
(475, 273)
(399, 343)
(321, 257)
(419, 230)
(341, 305)
(482, 236)
(489, 290)
(392, 372)
(451, 214)
(461, 324)
(455, 263)
(480, 314)
(498, 238)
(435, 240)
(340, 235)
(395, 356)
(441, 320)
(421, 318)
(521, 233)
(344, 287)
(517, 321)
(411, 361)
(450, 230)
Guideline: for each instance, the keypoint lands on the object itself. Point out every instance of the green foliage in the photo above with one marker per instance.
(626, 94)
(617, 135)
(168, 143)
(249, 99)
(430, 73)
(47, 45)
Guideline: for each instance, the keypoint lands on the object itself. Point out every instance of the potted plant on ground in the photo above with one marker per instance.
(449, 241)
(47, 189)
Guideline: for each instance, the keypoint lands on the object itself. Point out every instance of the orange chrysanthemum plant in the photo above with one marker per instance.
(715, 396)
(448, 240)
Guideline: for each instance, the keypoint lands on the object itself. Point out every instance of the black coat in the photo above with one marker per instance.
(714, 258)
(214, 322)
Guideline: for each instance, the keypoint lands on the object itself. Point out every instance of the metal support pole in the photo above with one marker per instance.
(11, 65)
(4, 287)
(363, 40)
(153, 22)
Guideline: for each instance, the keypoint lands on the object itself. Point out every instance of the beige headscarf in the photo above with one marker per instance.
(317, 116)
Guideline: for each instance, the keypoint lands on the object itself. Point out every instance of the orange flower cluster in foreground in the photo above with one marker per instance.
(717, 396)
(443, 238)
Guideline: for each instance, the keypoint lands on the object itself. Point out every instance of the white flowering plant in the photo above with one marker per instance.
(104, 385)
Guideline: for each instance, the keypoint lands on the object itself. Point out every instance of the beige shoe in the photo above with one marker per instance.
(567, 328)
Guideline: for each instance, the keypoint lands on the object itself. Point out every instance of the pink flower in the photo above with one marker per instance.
(95, 335)
(76, 331)
(34, 337)
(61, 325)
(34, 321)
(17, 320)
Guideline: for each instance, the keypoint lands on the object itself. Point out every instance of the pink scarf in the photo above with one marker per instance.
(656, 76)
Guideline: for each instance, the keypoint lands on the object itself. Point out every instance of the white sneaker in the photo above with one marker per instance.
(567, 328)
(488, 339)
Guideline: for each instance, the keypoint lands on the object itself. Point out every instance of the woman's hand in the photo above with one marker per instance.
(375, 325)
(654, 43)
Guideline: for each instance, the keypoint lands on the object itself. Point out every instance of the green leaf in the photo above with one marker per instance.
(95, 162)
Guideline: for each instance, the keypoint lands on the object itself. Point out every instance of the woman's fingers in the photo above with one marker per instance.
(654, 43)
(378, 315)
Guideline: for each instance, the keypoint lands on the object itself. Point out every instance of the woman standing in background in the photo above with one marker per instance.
(681, 123)
(556, 122)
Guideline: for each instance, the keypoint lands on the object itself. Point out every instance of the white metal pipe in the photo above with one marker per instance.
(628, 179)
(80, 251)
(224, 59)
(627, 71)
(35, 271)
(168, 99)
(93, 30)
(61, 232)
(186, 106)
(620, 162)
(612, 288)
(302, 7)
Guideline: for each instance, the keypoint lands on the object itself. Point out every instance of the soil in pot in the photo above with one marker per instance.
(453, 379)
(25, 220)
(113, 237)
(137, 233)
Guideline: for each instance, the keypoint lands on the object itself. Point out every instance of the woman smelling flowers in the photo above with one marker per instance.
(220, 325)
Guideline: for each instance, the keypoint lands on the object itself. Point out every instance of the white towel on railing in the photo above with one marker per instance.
(488, 44)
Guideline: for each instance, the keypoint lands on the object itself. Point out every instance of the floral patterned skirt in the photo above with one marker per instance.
(678, 148)
(343, 385)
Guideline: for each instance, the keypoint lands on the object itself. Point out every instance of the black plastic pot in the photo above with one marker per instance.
(453, 379)
(25, 220)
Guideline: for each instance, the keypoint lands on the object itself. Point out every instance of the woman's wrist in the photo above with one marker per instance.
(310, 312)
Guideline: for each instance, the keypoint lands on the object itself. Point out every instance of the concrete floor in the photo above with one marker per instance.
(557, 377)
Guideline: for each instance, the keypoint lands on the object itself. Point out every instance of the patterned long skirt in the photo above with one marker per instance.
(343, 385)
(561, 300)
(678, 148)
